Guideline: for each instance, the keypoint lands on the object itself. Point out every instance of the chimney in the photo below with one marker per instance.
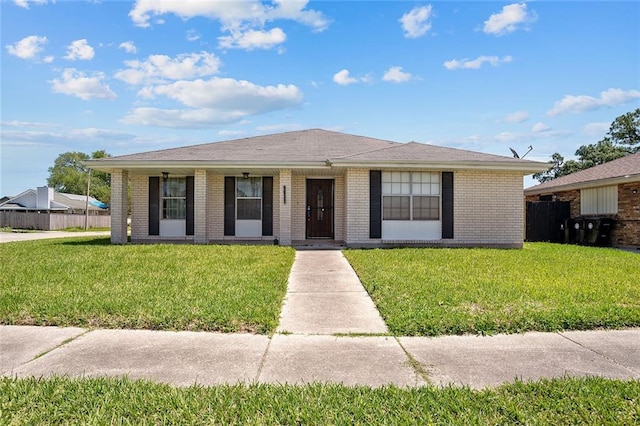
(44, 198)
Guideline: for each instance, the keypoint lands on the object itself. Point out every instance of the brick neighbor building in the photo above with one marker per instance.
(610, 190)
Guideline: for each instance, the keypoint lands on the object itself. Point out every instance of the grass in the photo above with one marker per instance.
(544, 287)
(87, 282)
(81, 229)
(593, 401)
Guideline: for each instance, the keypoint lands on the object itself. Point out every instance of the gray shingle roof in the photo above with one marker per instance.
(307, 145)
(414, 151)
(628, 166)
(312, 147)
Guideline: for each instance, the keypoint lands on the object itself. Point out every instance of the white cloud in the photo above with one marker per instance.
(343, 78)
(253, 39)
(242, 19)
(25, 3)
(494, 61)
(415, 23)
(214, 102)
(28, 47)
(396, 75)
(231, 133)
(77, 83)
(160, 68)
(597, 130)
(193, 35)
(80, 50)
(582, 103)
(128, 47)
(279, 128)
(508, 19)
(56, 134)
(540, 127)
(515, 117)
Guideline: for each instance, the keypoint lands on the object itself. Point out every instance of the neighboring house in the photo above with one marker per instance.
(303, 186)
(45, 209)
(610, 190)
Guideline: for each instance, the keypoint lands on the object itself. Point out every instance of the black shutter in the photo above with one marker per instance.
(375, 204)
(229, 205)
(189, 230)
(154, 205)
(447, 205)
(267, 206)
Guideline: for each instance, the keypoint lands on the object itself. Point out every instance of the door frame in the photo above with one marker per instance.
(331, 211)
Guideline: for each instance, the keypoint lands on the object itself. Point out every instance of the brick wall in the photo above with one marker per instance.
(119, 206)
(488, 208)
(626, 231)
(200, 207)
(215, 206)
(139, 207)
(357, 207)
(298, 207)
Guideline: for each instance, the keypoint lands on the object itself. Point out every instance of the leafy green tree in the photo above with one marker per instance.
(623, 138)
(68, 175)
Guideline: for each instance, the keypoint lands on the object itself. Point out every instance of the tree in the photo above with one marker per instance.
(68, 175)
(623, 138)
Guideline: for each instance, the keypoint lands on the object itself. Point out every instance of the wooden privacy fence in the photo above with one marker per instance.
(51, 221)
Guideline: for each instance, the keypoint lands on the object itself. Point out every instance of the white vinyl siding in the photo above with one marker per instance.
(602, 200)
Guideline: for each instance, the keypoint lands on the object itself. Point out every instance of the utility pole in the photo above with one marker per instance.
(86, 205)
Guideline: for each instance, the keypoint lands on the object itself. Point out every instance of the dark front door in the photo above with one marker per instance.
(319, 208)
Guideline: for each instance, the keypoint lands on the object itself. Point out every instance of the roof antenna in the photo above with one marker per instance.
(515, 154)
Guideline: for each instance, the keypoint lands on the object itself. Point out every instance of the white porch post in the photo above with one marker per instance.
(285, 193)
(119, 207)
(200, 207)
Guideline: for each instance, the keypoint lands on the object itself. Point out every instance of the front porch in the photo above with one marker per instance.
(290, 206)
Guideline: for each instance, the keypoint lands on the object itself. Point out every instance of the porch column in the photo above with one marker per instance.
(119, 206)
(200, 207)
(285, 199)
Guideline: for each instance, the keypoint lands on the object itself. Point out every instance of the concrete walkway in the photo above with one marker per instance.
(325, 296)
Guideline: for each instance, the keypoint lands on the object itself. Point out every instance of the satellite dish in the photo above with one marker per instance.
(515, 154)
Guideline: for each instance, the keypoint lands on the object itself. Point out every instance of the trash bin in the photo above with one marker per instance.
(604, 232)
(591, 228)
(596, 231)
(574, 231)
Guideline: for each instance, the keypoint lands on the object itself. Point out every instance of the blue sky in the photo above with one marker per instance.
(137, 76)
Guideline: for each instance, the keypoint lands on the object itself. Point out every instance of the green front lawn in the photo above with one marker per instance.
(544, 287)
(592, 401)
(87, 282)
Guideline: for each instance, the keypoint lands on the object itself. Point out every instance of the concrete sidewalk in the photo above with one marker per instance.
(325, 296)
(8, 237)
(185, 358)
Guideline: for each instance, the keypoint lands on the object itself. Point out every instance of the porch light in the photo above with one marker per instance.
(165, 175)
(245, 175)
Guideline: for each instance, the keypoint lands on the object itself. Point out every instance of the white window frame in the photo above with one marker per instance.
(411, 184)
(252, 197)
(165, 184)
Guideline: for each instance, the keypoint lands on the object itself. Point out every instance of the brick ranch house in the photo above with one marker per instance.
(298, 187)
(610, 190)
